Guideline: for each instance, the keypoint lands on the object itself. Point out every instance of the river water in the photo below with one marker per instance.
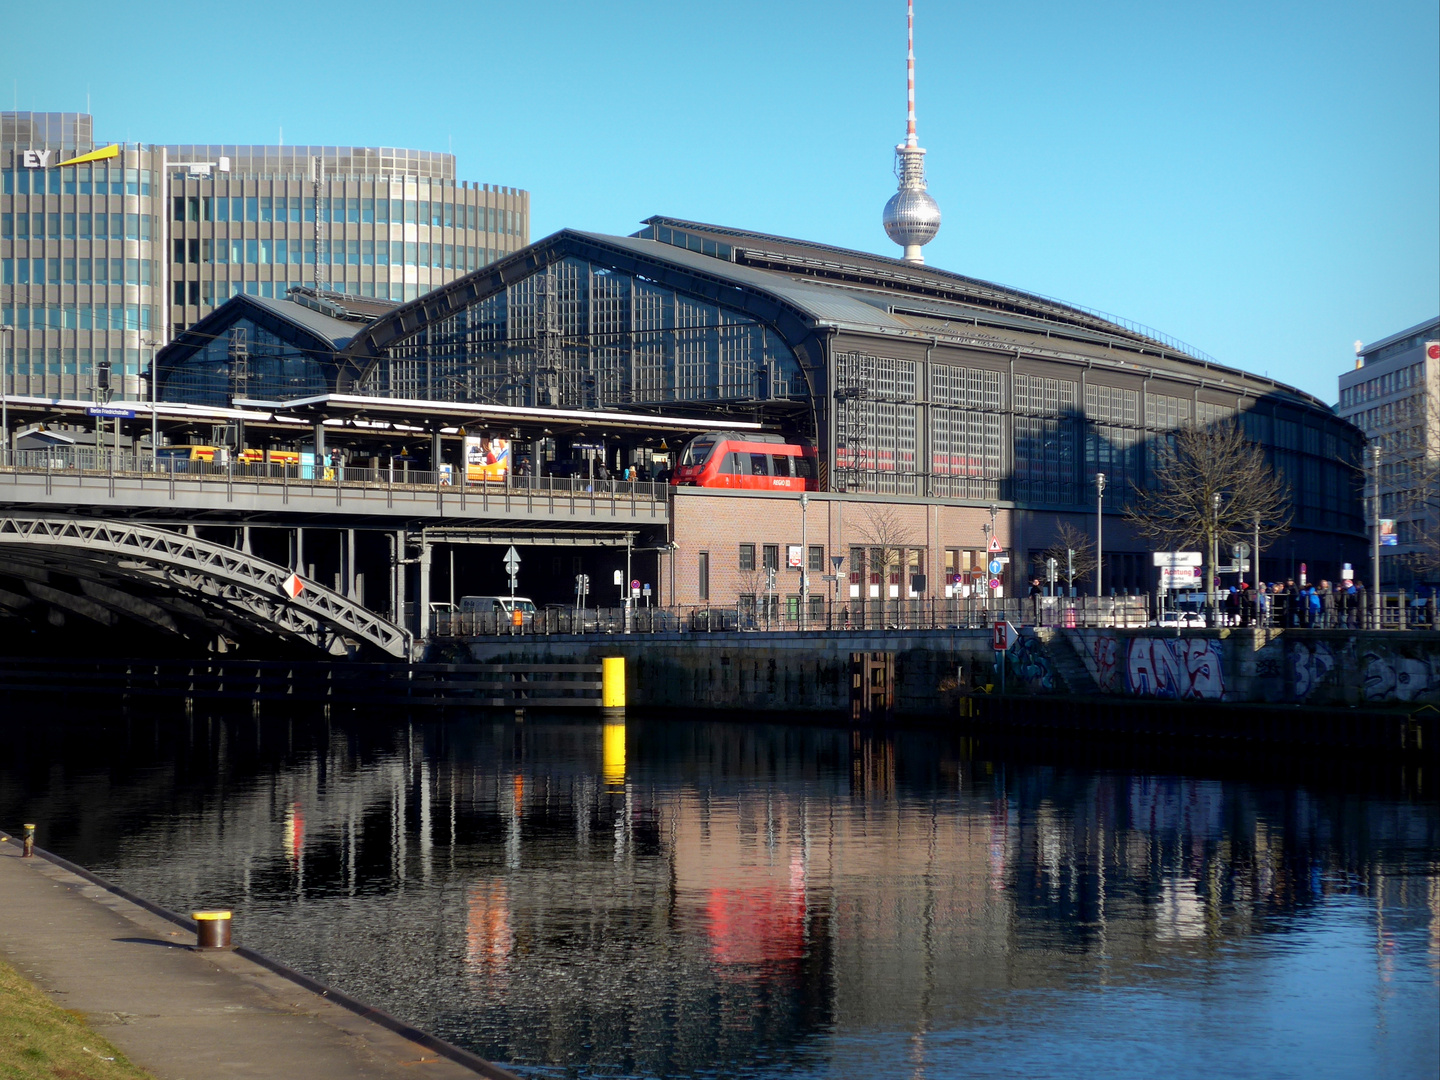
(696, 898)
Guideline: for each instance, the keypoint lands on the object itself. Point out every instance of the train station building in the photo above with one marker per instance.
(945, 412)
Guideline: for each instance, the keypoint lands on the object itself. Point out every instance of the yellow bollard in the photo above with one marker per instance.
(612, 682)
(29, 849)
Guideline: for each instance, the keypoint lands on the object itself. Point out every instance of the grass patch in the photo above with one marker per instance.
(41, 1040)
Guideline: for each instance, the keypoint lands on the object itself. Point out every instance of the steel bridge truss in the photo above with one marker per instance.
(234, 581)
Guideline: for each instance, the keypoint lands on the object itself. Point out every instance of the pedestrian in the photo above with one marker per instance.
(1035, 593)
(1327, 605)
(1312, 607)
(1262, 605)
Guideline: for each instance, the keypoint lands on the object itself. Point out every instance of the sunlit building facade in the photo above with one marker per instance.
(107, 250)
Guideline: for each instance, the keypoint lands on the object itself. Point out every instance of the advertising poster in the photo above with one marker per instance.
(486, 459)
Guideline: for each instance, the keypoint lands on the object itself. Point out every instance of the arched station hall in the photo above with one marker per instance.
(936, 404)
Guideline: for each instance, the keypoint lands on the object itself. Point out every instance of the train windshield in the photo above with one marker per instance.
(698, 452)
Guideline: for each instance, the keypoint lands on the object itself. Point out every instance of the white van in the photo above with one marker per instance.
(499, 605)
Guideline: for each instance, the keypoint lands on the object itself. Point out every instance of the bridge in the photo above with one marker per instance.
(220, 555)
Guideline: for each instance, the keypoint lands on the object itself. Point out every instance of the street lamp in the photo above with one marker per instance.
(1214, 556)
(5, 392)
(1375, 540)
(804, 561)
(1099, 533)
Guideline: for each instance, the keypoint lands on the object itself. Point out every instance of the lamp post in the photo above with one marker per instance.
(804, 560)
(1099, 532)
(5, 394)
(1214, 556)
(992, 535)
(1375, 540)
(154, 405)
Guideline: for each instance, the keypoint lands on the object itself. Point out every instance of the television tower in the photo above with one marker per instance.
(912, 217)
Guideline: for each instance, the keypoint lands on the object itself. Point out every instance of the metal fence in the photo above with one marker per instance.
(760, 617)
(91, 461)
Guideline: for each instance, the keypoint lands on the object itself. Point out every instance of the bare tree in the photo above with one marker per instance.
(1074, 553)
(1209, 487)
(886, 530)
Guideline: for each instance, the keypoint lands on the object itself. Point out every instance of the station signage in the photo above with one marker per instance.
(110, 412)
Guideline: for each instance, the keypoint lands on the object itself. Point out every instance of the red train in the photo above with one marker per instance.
(728, 459)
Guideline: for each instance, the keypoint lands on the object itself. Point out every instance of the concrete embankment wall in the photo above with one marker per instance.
(799, 673)
(796, 674)
(1323, 668)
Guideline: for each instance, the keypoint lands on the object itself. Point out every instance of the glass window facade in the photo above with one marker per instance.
(579, 334)
(137, 253)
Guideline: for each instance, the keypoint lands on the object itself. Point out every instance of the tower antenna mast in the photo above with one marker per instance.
(912, 217)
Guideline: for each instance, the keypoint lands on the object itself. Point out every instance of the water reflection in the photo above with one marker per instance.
(677, 898)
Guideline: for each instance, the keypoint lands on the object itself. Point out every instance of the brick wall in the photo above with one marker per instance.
(719, 522)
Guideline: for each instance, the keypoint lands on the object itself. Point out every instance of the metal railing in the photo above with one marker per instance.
(86, 461)
(785, 616)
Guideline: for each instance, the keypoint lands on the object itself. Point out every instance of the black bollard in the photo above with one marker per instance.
(212, 929)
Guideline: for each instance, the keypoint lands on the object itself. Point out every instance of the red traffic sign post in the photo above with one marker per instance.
(1004, 636)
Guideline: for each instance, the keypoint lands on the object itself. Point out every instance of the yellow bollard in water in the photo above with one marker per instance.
(612, 682)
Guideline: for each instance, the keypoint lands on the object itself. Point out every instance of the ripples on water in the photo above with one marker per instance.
(714, 899)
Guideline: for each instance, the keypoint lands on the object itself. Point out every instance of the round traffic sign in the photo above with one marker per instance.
(994, 583)
(994, 566)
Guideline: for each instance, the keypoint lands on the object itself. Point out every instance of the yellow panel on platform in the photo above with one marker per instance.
(612, 682)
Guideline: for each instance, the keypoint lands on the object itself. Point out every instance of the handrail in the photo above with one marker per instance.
(87, 462)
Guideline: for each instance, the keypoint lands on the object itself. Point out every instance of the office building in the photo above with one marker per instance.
(109, 249)
(1390, 395)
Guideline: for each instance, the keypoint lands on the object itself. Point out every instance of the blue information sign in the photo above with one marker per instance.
(995, 566)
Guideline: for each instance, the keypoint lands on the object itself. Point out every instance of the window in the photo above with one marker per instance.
(702, 586)
(759, 464)
(817, 558)
(747, 557)
(771, 555)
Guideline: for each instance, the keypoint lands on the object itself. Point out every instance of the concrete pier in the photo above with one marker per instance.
(180, 1013)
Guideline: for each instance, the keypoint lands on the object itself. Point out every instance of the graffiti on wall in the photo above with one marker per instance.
(1030, 664)
(1393, 678)
(1104, 651)
(1312, 663)
(1175, 668)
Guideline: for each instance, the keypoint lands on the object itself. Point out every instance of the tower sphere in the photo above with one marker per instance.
(912, 217)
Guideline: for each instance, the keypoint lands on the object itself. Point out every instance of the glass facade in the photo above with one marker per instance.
(274, 367)
(105, 260)
(577, 334)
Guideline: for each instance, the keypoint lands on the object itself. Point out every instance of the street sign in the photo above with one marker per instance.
(635, 588)
(994, 583)
(1178, 558)
(837, 561)
(293, 586)
(995, 547)
(995, 566)
(512, 561)
(110, 412)
(1004, 635)
(1181, 577)
(619, 577)
(1234, 568)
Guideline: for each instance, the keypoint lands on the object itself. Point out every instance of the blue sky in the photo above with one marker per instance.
(1261, 180)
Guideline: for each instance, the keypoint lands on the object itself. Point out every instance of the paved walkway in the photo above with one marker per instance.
(183, 1014)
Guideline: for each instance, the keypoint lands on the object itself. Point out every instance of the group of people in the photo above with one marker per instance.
(1284, 603)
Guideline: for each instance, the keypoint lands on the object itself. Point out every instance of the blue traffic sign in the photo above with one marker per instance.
(995, 566)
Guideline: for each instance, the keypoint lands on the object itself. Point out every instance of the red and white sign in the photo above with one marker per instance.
(293, 586)
(1003, 637)
(1432, 350)
(995, 547)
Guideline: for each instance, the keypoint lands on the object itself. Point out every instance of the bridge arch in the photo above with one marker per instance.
(234, 584)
